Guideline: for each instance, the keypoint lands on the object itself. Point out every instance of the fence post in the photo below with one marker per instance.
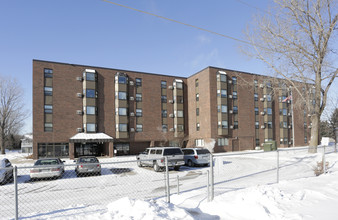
(15, 174)
(277, 165)
(178, 185)
(208, 184)
(211, 162)
(167, 178)
(324, 163)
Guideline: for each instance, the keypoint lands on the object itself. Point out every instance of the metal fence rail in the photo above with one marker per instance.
(230, 171)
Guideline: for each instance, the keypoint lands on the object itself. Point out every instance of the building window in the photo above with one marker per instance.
(268, 98)
(235, 110)
(255, 82)
(199, 142)
(123, 127)
(122, 95)
(256, 97)
(122, 80)
(90, 76)
(285, 111)
(164, 113)
(180, 128)
(48, 109)
(305, 125)
(196, 82)
(257, 125)
(139, 112)
(234, 80)
(305, 140)
(138, 97)
(197, 126)
(285, 124)
(197, 111)
(224, 124)
(222, 141)
(180, 114)
(223, 93)
(90, 110)
(164, 99)
(48, 73)
(223, 77)
(48, 91)
(281, 141)
(224, 108)
(163, 84)
(164, 128)
(91, 127)
(235, 124)
(139, 127)
(197, 96)
(179, 85)
(48, 127)
(90, 93)
(138, 82)
(123, 111)
(234, 95)
(285, 140)
(257, 142)
(179, 99)
(269, 124)
(269, 111)
(256, 111)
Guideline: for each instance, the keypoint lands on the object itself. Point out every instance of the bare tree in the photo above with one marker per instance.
(297, 41)
(12, 112)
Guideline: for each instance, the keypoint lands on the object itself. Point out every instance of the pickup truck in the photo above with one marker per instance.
(155, 157)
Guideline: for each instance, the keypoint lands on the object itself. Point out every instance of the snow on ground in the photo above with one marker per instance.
(246, 194)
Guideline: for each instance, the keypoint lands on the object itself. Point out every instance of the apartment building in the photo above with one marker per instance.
(85, 110)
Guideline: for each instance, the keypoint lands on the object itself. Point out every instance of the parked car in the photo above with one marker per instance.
(87, 165)
(155, 157)
(47, 168)
(6, 171)
(196, 156)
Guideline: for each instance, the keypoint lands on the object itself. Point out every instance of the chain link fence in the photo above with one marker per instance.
(24, 197)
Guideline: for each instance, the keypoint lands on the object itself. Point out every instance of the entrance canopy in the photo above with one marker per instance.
(90, 137)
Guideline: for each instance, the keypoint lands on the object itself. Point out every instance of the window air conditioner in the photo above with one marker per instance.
(132, 129)
(131, 83)
(79, 112)
(230, 81)
(79, 130)
(172, 129)
(289, 126)
(261, 86)
(289, 114)
(171, 101)
(79, 78)
(230, 96)
(262, 126)
(309, 126)
(262, 99)
(131, 98)
(231, 127)
(170, 87)
(230, 111)
(79, 95)
(171, 115)
(262, 113)
(132, 114)
(290, 142)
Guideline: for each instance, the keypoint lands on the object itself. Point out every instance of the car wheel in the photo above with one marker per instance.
(190, 163)
(98, 173)
(139, 164)
(177, 168)
(156, 167)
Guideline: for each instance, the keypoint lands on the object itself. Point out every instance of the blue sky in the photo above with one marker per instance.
(94, 32)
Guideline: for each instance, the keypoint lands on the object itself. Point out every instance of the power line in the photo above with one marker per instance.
(179, 22)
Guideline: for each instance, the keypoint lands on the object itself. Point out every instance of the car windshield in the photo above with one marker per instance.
(46, 162)
(203, 151)
(175, 151)
(88, 160)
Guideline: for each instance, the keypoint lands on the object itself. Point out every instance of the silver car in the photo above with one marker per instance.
(196, 156)
(47, 168)
(6, 171)
(87, 165)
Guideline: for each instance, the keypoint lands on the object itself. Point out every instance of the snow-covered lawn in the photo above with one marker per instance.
(245, 188)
